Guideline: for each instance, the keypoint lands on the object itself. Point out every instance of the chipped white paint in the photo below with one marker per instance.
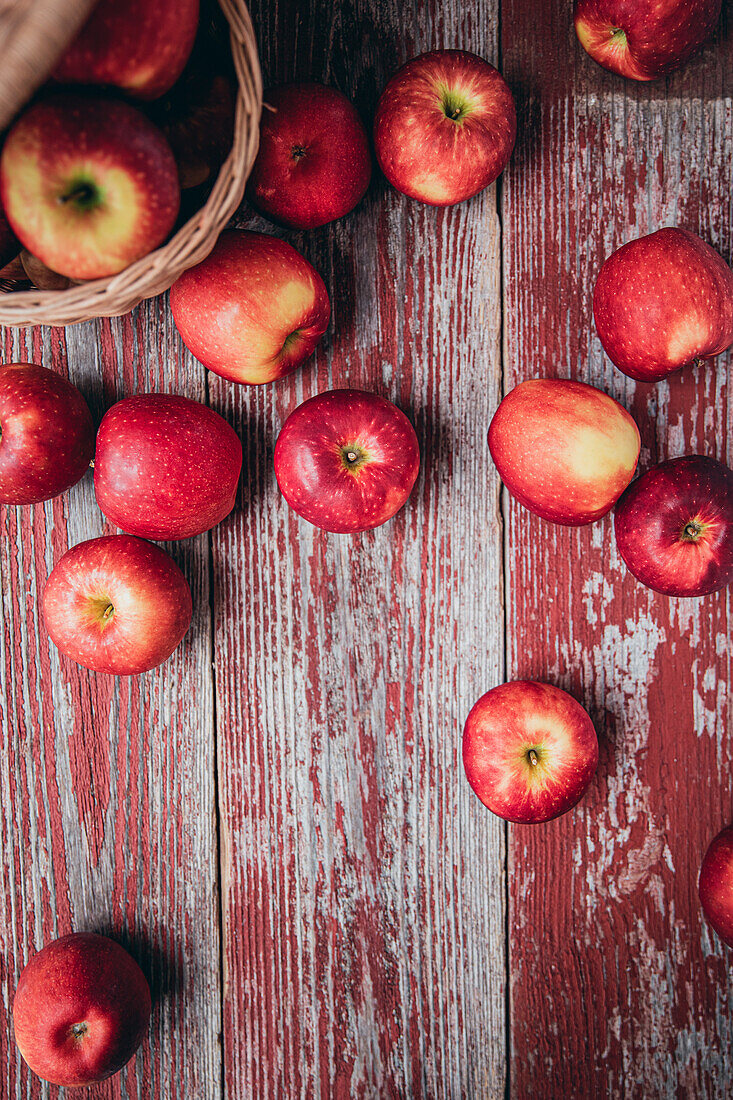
(601, 161)
(108, 786)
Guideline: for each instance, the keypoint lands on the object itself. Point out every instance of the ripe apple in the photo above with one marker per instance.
(346, 460)
(715, 885)
(81, 1009)
(529, 751)
(46, 434)
(644, 39)
(88, 185)
(445, 127)
(165, 467)
(565, 450)
(662, 302)
(674, 526)
(313, 164)
(117, 604)
(253, 310)
(140, 46)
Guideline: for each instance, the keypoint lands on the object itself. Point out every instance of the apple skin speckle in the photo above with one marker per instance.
(655, 510)
(165, 467)
(644, 39)
(108, 146)
(310, 468)
(46, 434)
(565, 450)
(140, 46)
(715, 885)
(254, 310)
(663, 301)
(429, 156)
(500, 730)
(330, 175)
(149, 596)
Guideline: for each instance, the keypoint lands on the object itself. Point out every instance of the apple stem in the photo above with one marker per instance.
(83, 193)
(533, 758)
(691, 531)
(352, 456)
(108, 612)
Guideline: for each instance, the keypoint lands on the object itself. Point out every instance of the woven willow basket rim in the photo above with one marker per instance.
(155, 273)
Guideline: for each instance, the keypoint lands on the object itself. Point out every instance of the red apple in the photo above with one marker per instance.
(313, 163)
(253, 310)
(674, 526)
(529, 750)
(88, 185)
(165, 467)
(46, 434)
(662, 302)
(644, 39)
(81, 1009)
(346, 460)
(716, 885)
(140, 46)
(445, 127)
(117, 604)
(565, 450)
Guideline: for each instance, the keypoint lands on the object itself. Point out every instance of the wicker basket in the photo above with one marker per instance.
(24, 26)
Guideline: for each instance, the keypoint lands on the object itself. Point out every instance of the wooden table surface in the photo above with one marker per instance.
(276, 821)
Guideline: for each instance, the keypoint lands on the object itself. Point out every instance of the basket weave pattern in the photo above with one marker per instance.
(157, 271)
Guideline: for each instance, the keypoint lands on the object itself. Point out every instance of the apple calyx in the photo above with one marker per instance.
(78, 1031)
(83, 194)
(297, 153)
(454, 105)
(353, 457)
(693, 531)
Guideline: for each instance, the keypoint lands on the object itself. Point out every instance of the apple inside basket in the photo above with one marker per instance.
(125, 155)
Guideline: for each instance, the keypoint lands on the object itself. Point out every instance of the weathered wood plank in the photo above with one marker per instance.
(363, 884)
(108, 800)
(617, 989)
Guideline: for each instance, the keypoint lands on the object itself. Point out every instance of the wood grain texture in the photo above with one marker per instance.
(108, 803)
(617, 988)
(363, 884)
(316, 705)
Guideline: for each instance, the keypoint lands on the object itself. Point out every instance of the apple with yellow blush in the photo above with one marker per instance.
(565, 450)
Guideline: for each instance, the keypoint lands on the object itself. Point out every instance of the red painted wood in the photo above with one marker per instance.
(617, 988)
(362, 881)
(107, 819)
(362, 901)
